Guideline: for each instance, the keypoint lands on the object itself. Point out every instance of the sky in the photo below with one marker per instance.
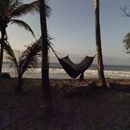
(71, 24)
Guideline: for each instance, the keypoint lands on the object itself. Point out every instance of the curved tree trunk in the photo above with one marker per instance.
(45, 64)
(98, 44)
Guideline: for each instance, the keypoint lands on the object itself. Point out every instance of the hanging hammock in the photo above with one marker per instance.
(74, 70)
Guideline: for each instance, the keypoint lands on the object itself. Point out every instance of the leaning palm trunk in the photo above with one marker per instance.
(98, 44)
(1, 55)
(3, 38)
(45, 64)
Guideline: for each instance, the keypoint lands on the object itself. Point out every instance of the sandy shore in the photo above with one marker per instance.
(83, 109)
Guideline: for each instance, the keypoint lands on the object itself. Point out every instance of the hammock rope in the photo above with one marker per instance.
(54, 51)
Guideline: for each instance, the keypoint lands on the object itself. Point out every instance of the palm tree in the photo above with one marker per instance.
(45, 47)
(9, 10)
(98, 44)
(27, 60)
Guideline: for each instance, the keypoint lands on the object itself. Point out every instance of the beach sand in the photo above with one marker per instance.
(89, 108)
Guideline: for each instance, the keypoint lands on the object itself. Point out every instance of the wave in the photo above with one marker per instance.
(58, 73)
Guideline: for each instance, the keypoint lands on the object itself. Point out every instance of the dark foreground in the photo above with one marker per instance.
(96, 109)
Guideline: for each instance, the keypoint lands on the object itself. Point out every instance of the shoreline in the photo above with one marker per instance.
(56, 73)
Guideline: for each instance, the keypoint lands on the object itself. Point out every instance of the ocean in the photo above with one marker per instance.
(57, 72)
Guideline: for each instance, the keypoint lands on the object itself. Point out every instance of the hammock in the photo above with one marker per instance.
(74, 70)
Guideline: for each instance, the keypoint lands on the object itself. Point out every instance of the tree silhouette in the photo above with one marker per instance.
(27, 61)
(98, 44)
(9, 10)
(126, 42)
(45, 47)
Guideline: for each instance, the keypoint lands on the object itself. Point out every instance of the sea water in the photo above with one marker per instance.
(57, 72)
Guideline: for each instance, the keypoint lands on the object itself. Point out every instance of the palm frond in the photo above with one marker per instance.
(11, 55)
(22, 24)
(47, 9)
(14, 5)
(29, 8)
(29, 58)
(26, 8)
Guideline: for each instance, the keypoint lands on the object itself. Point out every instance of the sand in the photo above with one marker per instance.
(94, 109)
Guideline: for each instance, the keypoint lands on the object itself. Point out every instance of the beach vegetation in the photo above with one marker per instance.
(27, 61)
(9, 11)
(126, 39)
(126, 42)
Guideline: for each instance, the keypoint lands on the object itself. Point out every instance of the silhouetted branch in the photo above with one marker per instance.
(125, 11)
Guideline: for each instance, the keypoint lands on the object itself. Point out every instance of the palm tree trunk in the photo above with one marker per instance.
(18, 88)
(45, 64)
(2, 48)
(1, 56)
(98, 44)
